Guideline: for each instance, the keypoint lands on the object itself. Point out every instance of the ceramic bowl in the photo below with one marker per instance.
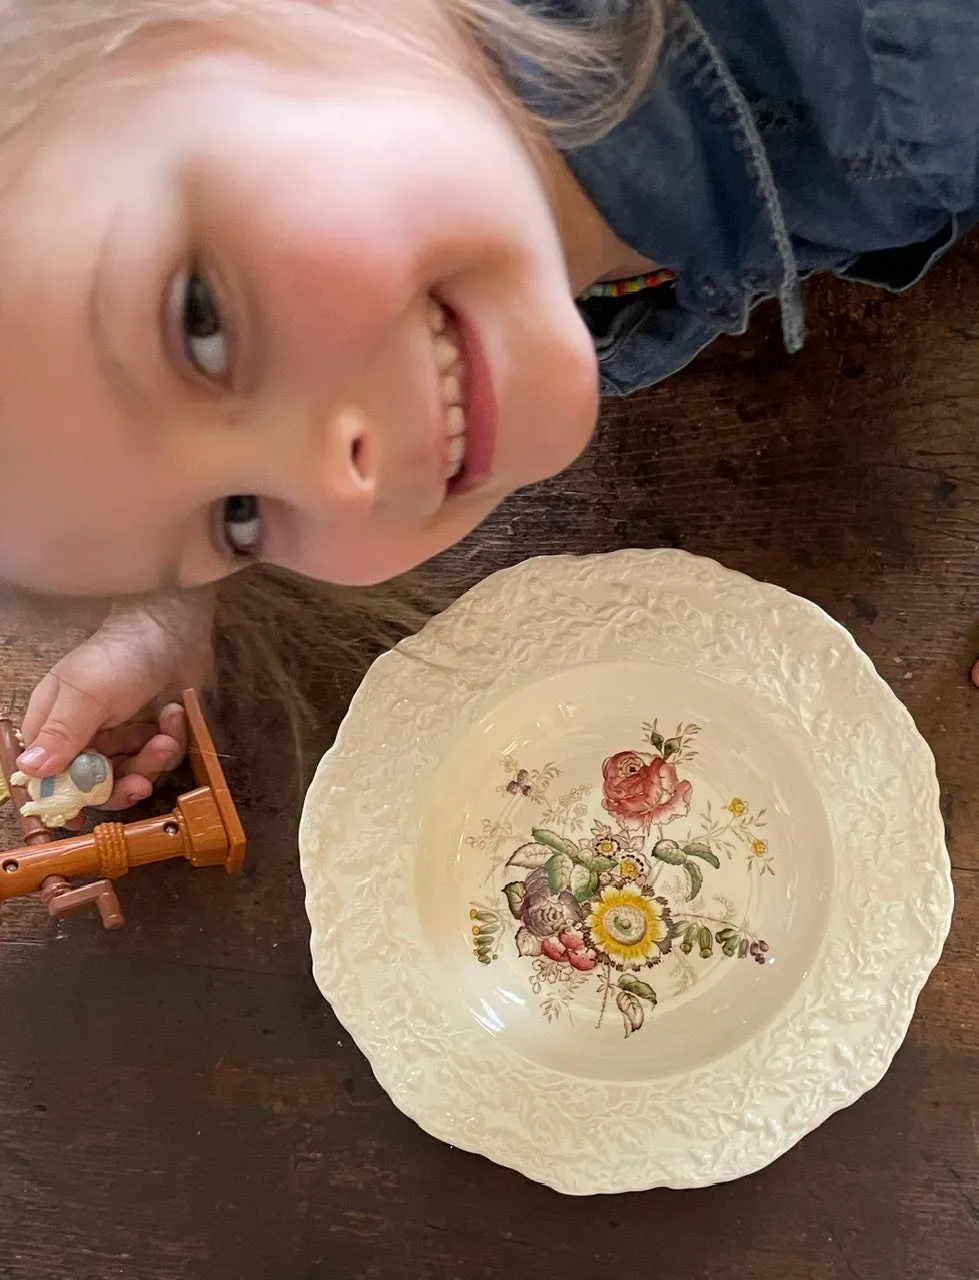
(626, 872)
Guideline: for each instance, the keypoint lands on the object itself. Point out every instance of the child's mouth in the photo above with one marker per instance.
(451, 373)
(466, 388)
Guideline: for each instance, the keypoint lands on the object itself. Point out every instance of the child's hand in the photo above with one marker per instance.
(116, 692)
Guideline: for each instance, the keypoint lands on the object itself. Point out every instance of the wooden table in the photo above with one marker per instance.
(177, 1102)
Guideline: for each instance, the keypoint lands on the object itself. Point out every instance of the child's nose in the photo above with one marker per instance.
(345, 463)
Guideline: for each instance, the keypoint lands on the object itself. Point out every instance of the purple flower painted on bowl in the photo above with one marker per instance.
(546, 914)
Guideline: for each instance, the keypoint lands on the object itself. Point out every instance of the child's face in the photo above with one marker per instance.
(217, 280)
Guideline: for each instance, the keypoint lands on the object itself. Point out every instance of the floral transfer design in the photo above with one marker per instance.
(644, 789)
(584, 909)
(737, 827)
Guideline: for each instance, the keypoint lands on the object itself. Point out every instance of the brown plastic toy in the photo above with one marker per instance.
(204, 828)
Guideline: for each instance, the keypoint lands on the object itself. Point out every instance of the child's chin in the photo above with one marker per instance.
(570, 426)
(568, 444)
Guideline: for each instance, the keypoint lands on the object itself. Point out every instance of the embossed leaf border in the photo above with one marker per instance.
(889, 917)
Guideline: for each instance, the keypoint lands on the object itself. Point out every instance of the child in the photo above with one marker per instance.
(320, 282)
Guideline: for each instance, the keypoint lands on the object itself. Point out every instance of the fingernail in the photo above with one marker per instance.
(35, 758)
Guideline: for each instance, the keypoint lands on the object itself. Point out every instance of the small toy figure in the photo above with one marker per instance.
(60, 797)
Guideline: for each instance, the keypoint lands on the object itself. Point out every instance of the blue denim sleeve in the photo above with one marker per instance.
(924, 61)
(867, 115)
(924, 57)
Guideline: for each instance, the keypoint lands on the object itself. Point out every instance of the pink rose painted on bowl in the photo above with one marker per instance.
(644, 789)
(570, 947)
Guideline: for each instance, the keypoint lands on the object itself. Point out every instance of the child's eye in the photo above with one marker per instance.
(243, 526)
(201, 327)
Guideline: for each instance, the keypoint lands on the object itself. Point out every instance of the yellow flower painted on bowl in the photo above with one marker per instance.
(633, 866)
(606, 846)
(759, 848)
(627, 926)
(737, 807)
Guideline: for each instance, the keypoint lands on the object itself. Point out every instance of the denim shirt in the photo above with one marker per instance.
(778, 138)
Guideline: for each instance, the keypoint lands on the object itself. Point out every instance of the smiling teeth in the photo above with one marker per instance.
(457, 454)
(435, 315)
(448, 360)
(446, 354)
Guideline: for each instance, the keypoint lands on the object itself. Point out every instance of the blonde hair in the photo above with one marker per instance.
(587, 60)
(590, 59)
(281, 640)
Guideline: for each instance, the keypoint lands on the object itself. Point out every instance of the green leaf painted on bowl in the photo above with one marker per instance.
(557, 843)
(669, 851)
(559, 868)
(703, 851)
(696, 880)
(515, 894)
(583, 882)
(530, 856)
(635, 986)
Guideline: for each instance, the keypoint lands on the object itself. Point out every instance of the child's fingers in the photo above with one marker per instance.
(61, 721)
(130, 738)
(126, 739)
(975, 674)
(135, 777)
(161, 754)
(141, 750)
(173, 723)
(41, 702)
(130, 789)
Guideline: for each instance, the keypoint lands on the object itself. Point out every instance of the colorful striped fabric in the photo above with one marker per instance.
(619, 288)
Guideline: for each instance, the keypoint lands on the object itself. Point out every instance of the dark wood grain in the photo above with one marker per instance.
(177, 1101)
